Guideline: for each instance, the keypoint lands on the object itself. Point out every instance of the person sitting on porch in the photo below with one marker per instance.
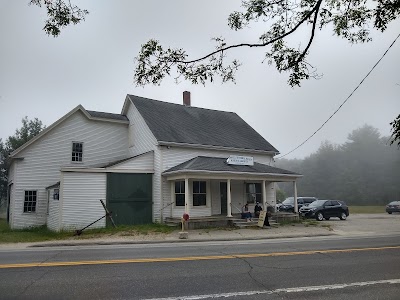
(257, 209)
(246, 214)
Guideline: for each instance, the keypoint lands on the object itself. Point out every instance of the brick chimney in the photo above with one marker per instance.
(186, 98)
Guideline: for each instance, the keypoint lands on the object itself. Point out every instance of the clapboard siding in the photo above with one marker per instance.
(195, 211)
(157, 186)
(81, 200)
(141, 139)
(177, 155)
(12, 179)
(144, 162)
(103, 142)
(238, 195)
(53, 218)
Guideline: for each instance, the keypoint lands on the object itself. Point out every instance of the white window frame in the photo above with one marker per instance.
(73, 152)
(30, 201)
(200, 192)
(181, 191)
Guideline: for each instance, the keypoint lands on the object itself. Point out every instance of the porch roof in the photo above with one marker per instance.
(217, 165)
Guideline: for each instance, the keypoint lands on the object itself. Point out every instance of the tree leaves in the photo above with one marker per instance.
(60, 14)
(350, 19)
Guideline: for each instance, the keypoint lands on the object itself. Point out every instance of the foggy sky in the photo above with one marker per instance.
(92, 64)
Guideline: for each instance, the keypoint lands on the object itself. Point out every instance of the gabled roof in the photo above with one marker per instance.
(219, 165)
(174, 123)
(92, 115)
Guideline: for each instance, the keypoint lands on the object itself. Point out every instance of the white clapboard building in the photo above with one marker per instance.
(155, 160)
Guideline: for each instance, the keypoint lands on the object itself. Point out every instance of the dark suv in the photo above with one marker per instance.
(288, 204)
(325, 209)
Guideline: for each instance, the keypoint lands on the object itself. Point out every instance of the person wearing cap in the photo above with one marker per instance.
(257, 209)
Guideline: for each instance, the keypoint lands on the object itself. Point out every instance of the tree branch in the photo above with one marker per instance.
(308, 15)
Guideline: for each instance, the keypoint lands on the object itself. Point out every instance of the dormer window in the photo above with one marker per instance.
(77, 151)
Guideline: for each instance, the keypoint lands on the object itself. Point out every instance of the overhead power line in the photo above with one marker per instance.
(351, 94)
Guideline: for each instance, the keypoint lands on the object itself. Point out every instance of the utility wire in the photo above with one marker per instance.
(351, 94)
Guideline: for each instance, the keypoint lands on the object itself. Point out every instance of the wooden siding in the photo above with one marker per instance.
(195, 211)
(140, 136)
(11, 178)
(238, 195)
(176, 155)
(53, 217)
(157, 187)
(142, 140)
(215, 197)
(104, 142)
(141, 163)
(81, 200)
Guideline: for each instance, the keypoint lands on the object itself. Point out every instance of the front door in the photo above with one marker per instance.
(224, 197)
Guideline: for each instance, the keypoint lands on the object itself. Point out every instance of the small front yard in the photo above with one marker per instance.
(40, 234)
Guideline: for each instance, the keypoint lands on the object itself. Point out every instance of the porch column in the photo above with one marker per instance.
(296, 208)
(187, 196)
(264, 195)
(172, 198)
(229, 198)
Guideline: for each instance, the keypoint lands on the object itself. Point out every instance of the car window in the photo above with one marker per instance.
(328, 203)
(309, 200)
(335, 203)
(300, 201)
(288, 201)
(317, 203)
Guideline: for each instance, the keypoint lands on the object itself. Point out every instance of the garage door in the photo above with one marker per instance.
(129, 197)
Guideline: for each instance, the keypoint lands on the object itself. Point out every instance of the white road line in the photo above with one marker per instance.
(284, 290)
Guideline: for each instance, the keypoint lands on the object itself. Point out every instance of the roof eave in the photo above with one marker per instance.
(187, 171)
(186, 145)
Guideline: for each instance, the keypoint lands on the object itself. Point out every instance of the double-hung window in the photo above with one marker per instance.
(56, 194)
(180, 193)
(199, 193)
(253, 192)
(77, 152)
(30, 201)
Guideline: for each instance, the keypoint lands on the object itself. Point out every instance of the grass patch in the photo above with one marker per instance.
(289, 222)
(308, 223)
(367, 209)
(41, 233)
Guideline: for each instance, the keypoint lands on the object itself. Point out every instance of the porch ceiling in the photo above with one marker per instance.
(218, 168)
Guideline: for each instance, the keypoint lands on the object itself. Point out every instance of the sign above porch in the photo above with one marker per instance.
(240, 160)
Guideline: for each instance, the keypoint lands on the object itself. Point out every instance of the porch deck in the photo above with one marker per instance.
(224, 221)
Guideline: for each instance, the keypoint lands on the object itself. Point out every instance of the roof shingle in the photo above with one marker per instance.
(176, 123)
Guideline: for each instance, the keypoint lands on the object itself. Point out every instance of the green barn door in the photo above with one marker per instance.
(129, 197)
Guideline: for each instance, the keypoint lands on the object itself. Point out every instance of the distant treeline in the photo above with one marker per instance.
(363, 171)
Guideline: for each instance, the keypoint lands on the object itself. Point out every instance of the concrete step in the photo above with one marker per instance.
(243, 223)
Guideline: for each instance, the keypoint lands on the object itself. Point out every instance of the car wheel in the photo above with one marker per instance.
(389, 212)
(327, 218)
(319, 216)
(343, 216)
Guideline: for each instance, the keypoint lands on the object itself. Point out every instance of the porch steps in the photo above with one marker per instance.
(242, 223)
(217, 221)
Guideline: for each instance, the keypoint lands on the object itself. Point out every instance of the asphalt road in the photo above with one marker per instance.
(301, 268)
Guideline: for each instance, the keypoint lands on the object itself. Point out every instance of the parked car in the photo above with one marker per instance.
(325, 209)
(288, 204)
(392, 207)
